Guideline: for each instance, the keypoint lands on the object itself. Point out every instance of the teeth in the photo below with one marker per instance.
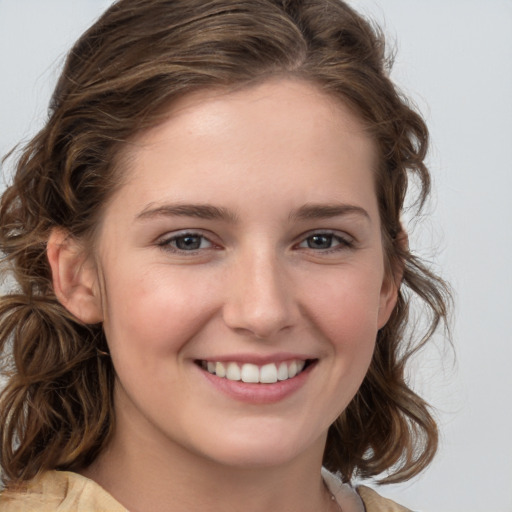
(251, 373)
(292, 370)
(233, 372)
(220, 370)
(282, 372)
(268, 374)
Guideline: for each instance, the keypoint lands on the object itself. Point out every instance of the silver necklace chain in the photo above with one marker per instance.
(332, 497)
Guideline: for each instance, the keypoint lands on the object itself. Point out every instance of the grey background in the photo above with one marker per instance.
(455, 60)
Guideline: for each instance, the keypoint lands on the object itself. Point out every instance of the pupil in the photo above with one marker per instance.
(188, 242)
(320, 242)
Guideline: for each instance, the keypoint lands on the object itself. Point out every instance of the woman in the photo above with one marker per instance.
(212, 274)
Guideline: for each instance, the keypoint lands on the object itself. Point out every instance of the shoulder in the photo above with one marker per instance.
(58, 490)
(361, 498)
(373, 502)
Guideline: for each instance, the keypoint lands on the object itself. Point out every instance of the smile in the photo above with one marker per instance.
(252, 373)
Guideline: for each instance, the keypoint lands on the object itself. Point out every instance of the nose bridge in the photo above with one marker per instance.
(260, 296)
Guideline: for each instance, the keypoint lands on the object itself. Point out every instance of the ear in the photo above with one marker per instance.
(392, 281)
(388, 298)
(74, 276)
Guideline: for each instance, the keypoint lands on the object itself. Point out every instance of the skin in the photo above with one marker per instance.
(260, 285)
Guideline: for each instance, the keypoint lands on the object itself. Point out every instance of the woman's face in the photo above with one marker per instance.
(243, 248)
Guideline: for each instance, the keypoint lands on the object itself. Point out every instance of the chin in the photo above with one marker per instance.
(262, 450)
(254, 459)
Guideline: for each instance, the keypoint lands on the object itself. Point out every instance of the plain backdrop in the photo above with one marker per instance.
(454, 59)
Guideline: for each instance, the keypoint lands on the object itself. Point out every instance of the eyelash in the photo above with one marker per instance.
(343, 242)
(166, 243)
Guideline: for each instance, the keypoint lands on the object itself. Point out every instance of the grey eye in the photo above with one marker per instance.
(189, 242)
(186, 242)
(325, 242)
(320, 241)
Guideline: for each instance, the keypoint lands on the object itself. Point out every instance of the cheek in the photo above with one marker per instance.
(345, 315)
(345, 307)
(150, 313)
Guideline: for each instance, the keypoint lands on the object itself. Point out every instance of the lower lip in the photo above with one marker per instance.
(259, 393)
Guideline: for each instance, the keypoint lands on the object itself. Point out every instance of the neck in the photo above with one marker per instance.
(153, 473)
(149, 479)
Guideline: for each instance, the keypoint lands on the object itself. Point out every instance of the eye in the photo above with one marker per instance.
(185, 242)
(325, 242)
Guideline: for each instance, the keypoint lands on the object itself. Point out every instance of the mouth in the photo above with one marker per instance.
(269, 373)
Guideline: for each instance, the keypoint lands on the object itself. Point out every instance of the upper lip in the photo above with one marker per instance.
(257, 359)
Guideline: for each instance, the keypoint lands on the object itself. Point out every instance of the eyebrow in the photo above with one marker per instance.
(200, 211)
(312, 211)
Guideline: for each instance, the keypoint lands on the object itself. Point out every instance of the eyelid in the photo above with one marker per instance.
(164, 241)
(346, 241)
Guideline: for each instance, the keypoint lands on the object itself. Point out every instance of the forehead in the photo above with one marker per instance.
(284, 134)
(292, 101)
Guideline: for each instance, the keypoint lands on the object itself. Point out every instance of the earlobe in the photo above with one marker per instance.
(74, 276)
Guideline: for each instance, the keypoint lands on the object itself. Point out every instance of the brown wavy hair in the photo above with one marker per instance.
(56, 409)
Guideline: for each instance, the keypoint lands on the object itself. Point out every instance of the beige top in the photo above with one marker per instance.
(63, 491)
(367, 500)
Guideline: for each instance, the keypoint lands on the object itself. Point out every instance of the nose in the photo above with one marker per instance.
(260, 300)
